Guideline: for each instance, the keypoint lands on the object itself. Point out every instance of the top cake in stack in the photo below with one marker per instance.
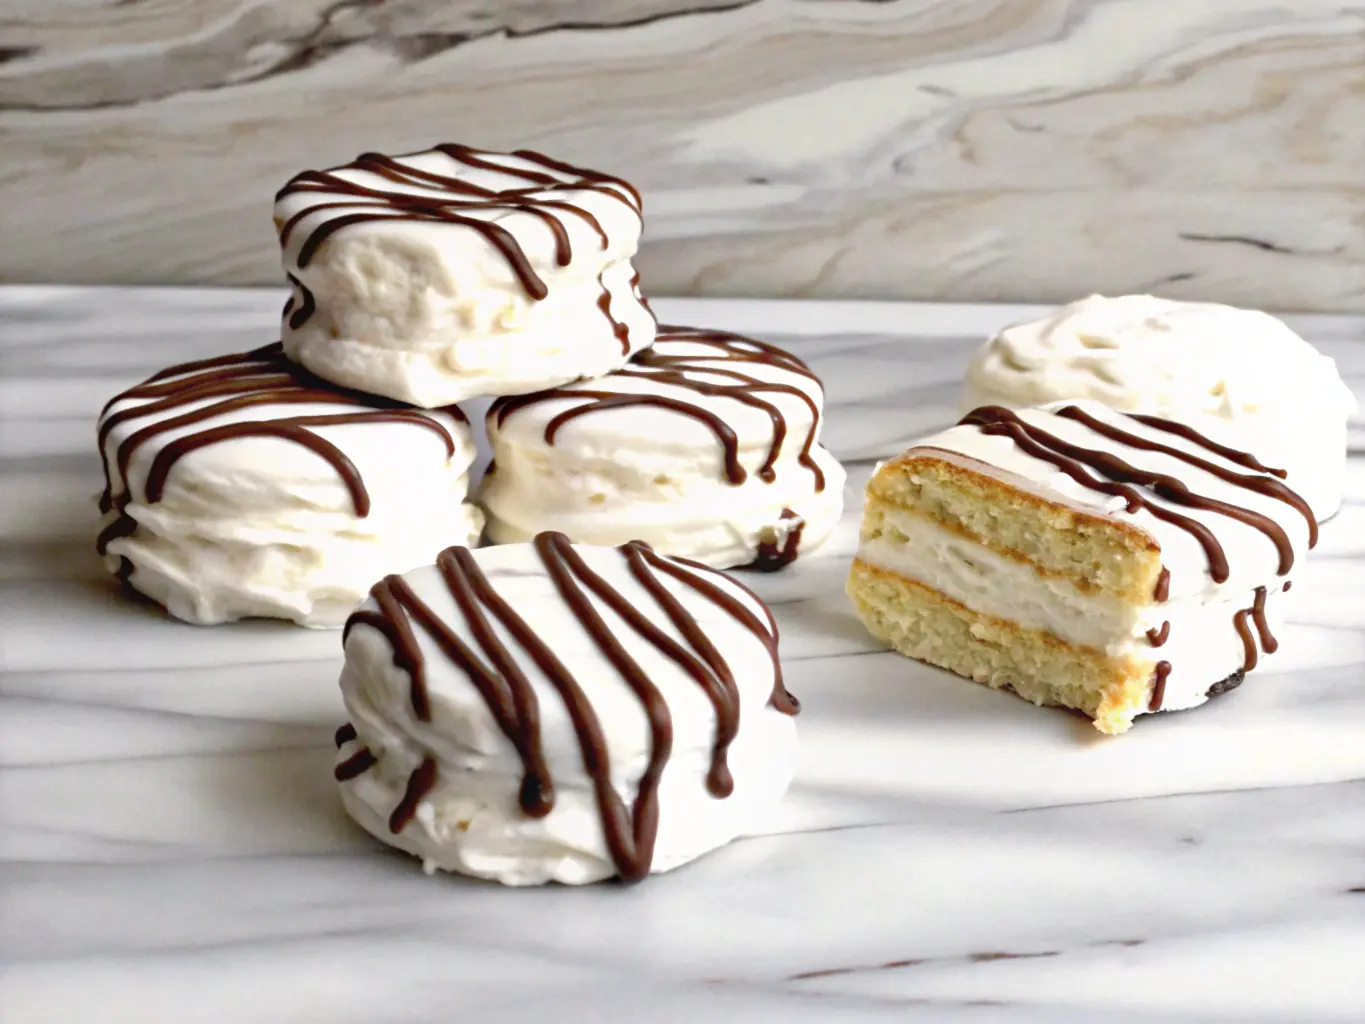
(455, 273)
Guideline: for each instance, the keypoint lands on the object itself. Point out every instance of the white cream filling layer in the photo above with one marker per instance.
(1203, 646)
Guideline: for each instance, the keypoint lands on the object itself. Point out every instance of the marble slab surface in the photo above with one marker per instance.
(921, 149)
(172, 847)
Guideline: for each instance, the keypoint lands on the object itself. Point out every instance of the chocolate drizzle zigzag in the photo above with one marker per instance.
(492, 668)
(193, 395)
(674, 376)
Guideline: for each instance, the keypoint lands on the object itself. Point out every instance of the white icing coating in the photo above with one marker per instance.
(432, 312)
(1203, 646)
(471, 821)
(262, 526)
(644, 472)
(1241, 376)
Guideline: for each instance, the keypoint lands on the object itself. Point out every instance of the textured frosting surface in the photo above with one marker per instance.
(442, 275)
(243, 486)
(1242, 375)
(501, 730)
(1217, 564)
(706, 446)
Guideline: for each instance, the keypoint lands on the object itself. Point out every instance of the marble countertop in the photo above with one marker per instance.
(173, 848)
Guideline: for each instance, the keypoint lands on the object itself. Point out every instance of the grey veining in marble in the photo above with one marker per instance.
(172, 848)
(973, 149)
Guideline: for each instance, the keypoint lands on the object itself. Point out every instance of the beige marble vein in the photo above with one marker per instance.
(976, 149)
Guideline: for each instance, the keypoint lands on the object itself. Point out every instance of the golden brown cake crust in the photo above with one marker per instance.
(1095, 552)
(922, 623)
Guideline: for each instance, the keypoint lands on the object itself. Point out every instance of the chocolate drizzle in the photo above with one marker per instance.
(192, 395)
(420, 783)
(629, 830)
(1157, 637)
(672, 376)
(1163, 669)
(1117, 475)
(618, 327)
(1162, 590)
(1261, 484)
(1244, 459)
(455, 201)
(307, 304)
(773, 556)
(1256, 614)
(357, 764)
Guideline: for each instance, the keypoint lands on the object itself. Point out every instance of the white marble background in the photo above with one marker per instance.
(933, 149)
(172, 849)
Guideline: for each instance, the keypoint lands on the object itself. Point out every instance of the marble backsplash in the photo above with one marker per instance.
(926, 149)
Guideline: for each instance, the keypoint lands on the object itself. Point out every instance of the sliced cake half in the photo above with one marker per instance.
(1111, 563)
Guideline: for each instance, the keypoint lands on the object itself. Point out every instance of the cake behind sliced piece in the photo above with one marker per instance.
(1080, 557)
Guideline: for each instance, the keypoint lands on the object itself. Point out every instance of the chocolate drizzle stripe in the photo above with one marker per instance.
(444, 197)
(618, 327)
(357, 764)
(1250, 655)
(1244, 459)
(1260, 484)
(519, 717)
(1254, 615)
(696, 373)
(1162, 590)
(773, 556)
(345, 734)
(188, 396)
(1158, 637)
(1162, 671)
(629, 832)
(1268, 642)
(1071, 460)
(420, 783)
(706, 667)
(307, 304)
(694, 575)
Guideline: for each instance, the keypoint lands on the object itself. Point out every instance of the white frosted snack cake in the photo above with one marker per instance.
(552, 712)
(1115, 564)
(437, 276)
(706, 446)
(244, 486)
(1241, 376)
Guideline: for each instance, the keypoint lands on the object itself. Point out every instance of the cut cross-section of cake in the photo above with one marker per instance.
(1111, 563)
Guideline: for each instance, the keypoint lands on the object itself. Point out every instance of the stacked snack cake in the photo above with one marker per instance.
(557, 708)
(284, 481)
(454, 273)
